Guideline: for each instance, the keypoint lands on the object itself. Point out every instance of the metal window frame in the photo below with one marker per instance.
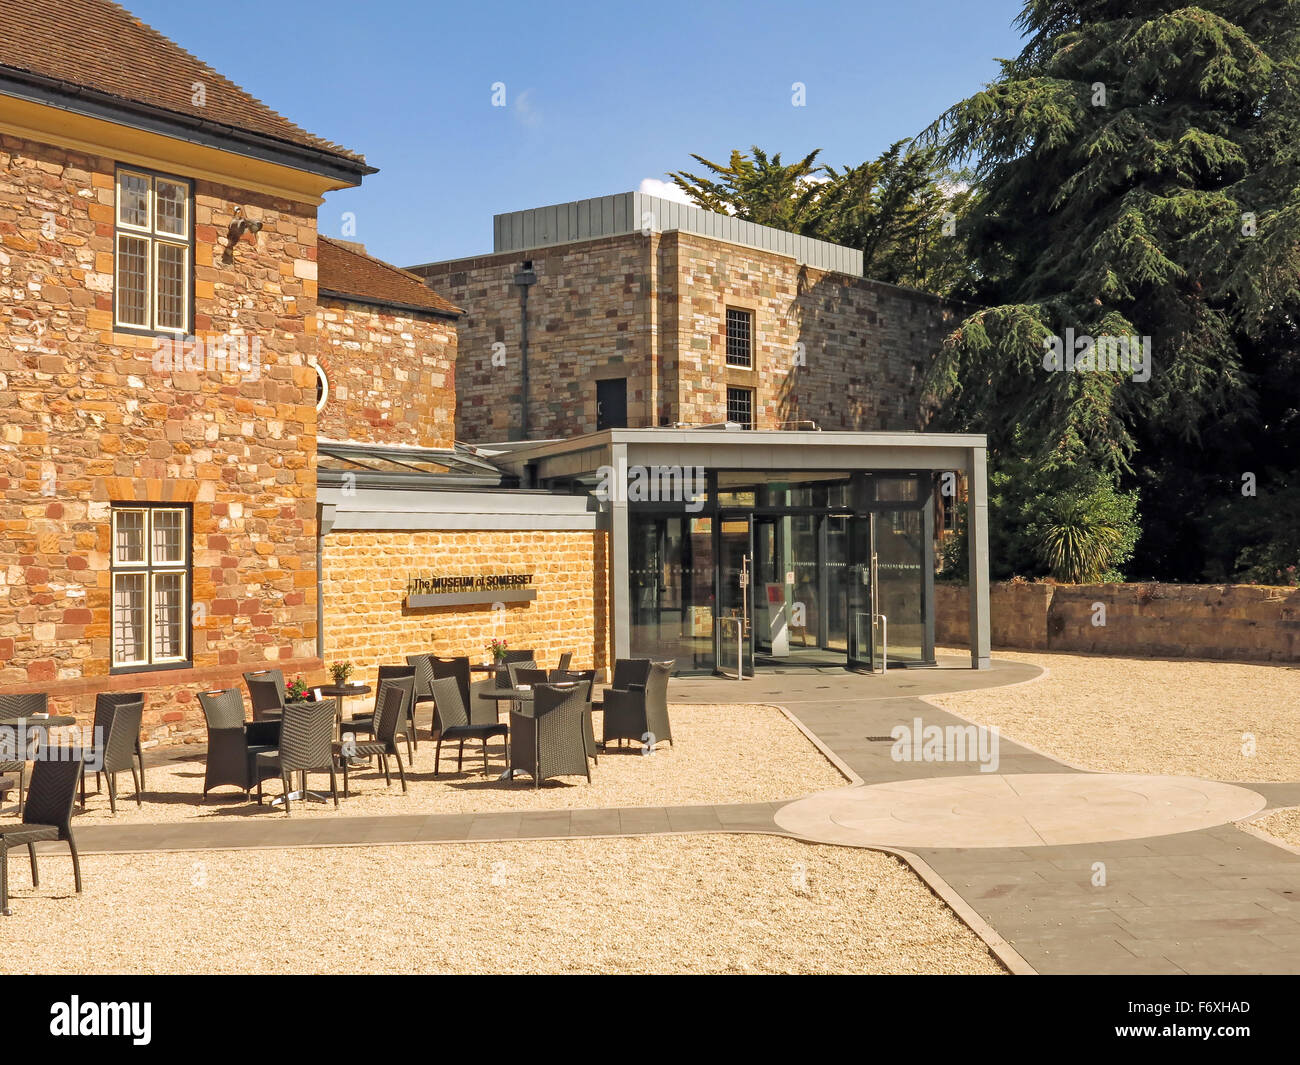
(749, 316)
(750, 393)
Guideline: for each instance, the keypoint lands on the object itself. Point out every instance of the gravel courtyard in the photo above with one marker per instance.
(1219, 720)
(679, 904)
(720, 754)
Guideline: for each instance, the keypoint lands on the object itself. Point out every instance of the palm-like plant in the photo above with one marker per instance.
(1078, 545)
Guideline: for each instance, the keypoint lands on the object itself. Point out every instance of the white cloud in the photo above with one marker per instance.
(665, 190)
(526, 111)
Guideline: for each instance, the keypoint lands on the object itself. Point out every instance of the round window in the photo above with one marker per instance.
(322, 388)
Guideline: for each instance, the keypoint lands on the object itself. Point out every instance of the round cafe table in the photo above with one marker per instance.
(341, 691)
(32, 722)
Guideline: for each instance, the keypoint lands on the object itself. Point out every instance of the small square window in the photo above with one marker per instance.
(740, 338)
(740, 406)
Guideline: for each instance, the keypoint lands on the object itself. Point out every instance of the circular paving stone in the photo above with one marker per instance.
(1016, 810)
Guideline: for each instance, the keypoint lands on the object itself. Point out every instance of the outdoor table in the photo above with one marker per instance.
(484, 667)
(33, 722)
(341, 691)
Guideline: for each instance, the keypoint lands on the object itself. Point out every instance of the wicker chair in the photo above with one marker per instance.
(524, 673)
(46, 816)
(102, 702)
(566, 660)
(424, 675)
(627, 672)
(640, 711)
(549, 742)
(406, 675)
(391, 711)
(117, 734)
(12, 706)
(458, 668)
(483, 711)
(266, 692)
(587, 677)
(306, 746)
(234, 743)
(452, 722)
(520, 655)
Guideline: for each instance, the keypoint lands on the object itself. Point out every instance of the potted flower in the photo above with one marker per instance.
(296, 691)
(340, 672)
(497, 649)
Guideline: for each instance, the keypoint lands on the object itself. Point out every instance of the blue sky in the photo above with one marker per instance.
(600, 96)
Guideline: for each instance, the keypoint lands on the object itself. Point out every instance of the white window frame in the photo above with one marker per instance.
(154, 237)
(150, 570)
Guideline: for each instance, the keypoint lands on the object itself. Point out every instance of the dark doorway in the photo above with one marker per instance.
(611, 404)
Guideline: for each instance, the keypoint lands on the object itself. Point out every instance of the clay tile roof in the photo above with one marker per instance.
(97, 45)
(345, 271)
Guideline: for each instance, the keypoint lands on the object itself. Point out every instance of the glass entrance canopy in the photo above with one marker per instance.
(732, 551)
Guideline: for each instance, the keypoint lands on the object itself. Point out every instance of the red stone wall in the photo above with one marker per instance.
(1223, 621)
(85, 420)
(392, 375)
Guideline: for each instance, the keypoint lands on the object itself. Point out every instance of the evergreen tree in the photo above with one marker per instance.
(1136, 175)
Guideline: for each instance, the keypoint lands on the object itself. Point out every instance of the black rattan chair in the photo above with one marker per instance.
(24, 705)
(266, 693)
(424, 674)
(46, 816)
(106, 699)
(565, 661)
(641, 711)
(234, 743)
(391, 711)
(366, 722)
(453, 723)
(627, 672)
(587, 677)
(117, 734)
(306, 746)
(549, 741)
(525, 673)
(453, 667)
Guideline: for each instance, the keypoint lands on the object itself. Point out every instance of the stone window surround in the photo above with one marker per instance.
(152, 237)
(185, 567)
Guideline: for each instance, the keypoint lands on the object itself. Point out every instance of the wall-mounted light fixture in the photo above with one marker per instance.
(238, 228)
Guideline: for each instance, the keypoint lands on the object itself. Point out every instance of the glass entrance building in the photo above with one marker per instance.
(734, 550)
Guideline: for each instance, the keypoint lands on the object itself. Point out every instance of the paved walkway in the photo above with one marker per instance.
(1079, 872)
(1212, 900)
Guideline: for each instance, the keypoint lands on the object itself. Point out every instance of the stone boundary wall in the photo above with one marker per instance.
(1219, 621)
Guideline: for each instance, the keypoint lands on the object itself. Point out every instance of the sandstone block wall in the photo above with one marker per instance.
(588, 319)
(367, 623)
(1239, 622)
(392, 375)
(845, 352)
(86, 421)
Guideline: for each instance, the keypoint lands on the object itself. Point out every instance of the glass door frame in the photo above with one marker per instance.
(860, 596)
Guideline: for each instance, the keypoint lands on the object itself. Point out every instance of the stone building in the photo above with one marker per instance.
(227, 443)
(387, 352)
(643, 313)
